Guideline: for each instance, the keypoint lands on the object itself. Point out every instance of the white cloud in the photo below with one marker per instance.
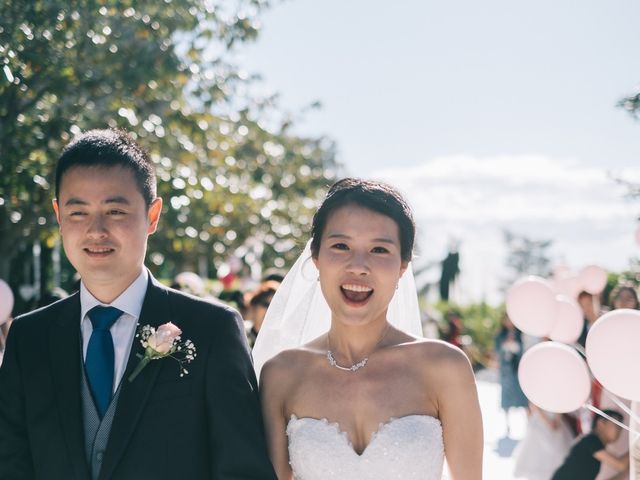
(473, 199)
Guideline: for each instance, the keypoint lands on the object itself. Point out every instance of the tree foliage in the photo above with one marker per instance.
(234, 177)
(631, 104)
(481, 322)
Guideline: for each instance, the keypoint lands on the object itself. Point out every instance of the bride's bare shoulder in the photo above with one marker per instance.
(288, 363)
(438, 353)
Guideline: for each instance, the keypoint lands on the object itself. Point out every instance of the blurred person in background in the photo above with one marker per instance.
(509, 350)
(623, 296)
(273, 275)
(590, 306)
(452, 331)
(256, 303)
(589, 453)
(544, 446)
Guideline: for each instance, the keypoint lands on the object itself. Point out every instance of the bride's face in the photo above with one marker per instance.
(359, 263)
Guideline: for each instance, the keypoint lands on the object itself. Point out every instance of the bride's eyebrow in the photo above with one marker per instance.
(348, 237)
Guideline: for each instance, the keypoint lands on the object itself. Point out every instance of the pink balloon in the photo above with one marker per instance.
(568, 286)
(6, 301)
(531, 306)
(593, 279)
(561, 271)
(613, 352)
(569, 321)
(554, 377)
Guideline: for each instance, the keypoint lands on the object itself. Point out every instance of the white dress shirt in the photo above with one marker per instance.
(123, 330)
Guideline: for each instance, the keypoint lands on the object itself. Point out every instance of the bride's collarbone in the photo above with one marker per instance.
(366, 403)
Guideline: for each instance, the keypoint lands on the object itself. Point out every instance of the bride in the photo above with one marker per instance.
(365, 399)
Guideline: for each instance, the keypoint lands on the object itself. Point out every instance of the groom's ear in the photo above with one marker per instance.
(153, 215)
(56, 209)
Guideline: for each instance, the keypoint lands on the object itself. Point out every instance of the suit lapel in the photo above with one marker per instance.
(133, 395)
(66, 361)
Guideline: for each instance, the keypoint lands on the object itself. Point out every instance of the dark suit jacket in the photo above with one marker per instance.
(205, 425)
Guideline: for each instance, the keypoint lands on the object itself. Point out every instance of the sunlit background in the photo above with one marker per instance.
(490, 116)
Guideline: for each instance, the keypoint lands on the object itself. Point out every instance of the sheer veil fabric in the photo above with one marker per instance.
(298, 312)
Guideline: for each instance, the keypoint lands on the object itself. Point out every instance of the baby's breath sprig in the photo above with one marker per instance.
(161, 343)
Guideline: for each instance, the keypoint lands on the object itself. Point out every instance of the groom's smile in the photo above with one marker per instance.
(98, 252)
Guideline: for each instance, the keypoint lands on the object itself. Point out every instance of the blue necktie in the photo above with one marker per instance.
(100, 357)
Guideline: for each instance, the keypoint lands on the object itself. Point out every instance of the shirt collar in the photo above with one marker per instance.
(130, 301)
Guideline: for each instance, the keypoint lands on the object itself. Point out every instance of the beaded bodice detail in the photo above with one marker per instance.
(404, 448)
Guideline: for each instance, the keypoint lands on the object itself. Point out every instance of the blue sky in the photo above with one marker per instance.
(488, 115)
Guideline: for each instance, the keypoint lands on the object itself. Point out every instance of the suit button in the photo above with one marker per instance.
(99, 456)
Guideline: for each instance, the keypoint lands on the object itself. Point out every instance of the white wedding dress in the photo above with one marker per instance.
(404, 448)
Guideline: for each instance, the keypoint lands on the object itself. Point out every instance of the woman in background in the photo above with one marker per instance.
(544, 446)
(509, 350)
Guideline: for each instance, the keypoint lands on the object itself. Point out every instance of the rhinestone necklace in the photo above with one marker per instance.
(358, 365)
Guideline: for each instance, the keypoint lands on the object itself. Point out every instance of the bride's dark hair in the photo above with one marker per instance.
(373, 195)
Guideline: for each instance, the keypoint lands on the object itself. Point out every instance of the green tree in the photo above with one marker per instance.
(481, 322)
(234, 177)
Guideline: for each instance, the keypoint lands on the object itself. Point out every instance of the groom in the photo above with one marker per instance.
(69, 407)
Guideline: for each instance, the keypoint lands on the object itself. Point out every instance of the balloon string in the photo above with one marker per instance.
(611, 419)
(611, 396)
(580, 349)
(621, 404)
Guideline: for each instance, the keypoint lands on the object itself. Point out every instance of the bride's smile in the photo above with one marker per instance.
(356, 294)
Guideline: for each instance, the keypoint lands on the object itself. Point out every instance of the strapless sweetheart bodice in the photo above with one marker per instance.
(404, 448)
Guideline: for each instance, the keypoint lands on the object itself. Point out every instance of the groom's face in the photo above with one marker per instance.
(104, 224)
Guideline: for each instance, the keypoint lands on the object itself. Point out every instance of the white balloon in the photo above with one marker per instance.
(613, 353)
(531, 305)
(6, 301)
(554, 377)
(569, 321)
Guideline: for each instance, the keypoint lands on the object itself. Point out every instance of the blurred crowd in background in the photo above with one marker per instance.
(490, 340)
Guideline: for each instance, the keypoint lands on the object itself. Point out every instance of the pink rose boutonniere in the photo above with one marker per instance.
(163, 342)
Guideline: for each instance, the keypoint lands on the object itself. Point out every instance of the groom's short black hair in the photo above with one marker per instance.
(373, 195)
(109, 148)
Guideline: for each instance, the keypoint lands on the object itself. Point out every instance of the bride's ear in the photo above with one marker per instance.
(403, 267)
